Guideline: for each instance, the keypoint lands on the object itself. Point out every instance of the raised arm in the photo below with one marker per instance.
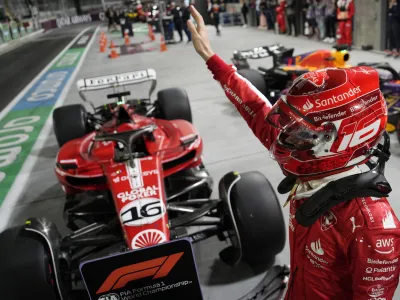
(251, 104)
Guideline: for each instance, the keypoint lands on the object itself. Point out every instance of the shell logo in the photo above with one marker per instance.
(148, 238)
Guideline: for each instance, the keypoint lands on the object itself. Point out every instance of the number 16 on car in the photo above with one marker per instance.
(143, 211)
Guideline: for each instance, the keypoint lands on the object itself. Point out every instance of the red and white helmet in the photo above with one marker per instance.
(328, 121)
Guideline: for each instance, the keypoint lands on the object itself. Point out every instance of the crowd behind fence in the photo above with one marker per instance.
(310, 18)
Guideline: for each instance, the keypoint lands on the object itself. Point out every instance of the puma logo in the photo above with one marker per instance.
(353, 221)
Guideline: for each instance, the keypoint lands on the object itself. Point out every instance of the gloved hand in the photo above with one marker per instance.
(199, 35)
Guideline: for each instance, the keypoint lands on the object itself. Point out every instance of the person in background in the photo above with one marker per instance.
(281, 17)
(176, 14)
(126, 18)
(291, 16)
(320, 8)
(330, 21)
(253, 13)
(270, 14)
(310, 18)
(33, 14)
(263, 14)
(222, 6)
(245, 11)
(141, 14)
(168, 10)
(209, 8)
(107, 14)
(17, 19)
(185, 18)
(214, 15)
(117, 15)
(393, 29)
(112, 20)
(345, 13)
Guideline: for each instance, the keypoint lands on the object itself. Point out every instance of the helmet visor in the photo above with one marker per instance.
(294, 132)
(281, 115)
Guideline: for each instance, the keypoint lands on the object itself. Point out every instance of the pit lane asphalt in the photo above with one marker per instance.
(19, 66)
(228, 142)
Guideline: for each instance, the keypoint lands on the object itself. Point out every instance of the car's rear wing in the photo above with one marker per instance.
(118, 80)
(277, 52)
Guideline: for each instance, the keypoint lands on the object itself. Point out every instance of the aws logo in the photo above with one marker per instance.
(385, 243)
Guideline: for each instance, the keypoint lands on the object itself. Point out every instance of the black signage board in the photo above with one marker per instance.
(164, 271)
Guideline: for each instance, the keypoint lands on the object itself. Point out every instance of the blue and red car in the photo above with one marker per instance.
(390, 87)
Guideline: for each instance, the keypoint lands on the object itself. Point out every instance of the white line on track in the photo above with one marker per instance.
(6, 209)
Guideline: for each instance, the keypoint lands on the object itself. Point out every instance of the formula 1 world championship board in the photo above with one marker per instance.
(164, 271)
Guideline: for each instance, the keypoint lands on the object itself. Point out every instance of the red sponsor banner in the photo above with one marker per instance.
(139, 199)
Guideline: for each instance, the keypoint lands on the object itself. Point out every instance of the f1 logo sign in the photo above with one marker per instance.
(159, 267)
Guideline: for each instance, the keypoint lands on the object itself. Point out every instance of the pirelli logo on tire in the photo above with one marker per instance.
(158, 268)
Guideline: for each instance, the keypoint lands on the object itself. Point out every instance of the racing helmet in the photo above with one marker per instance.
(328, 121)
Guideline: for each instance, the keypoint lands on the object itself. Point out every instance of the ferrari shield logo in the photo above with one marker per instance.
(316, 78)
(327, 220)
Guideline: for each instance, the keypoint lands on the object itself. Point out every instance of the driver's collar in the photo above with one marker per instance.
(307, 188)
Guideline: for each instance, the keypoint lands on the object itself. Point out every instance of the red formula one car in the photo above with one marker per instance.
(134, 177)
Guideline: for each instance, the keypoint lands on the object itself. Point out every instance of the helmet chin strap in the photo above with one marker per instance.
(287, 184)
(368, 184)
(382, 152)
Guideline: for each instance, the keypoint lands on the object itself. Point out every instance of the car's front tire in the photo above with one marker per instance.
(25, 270)
(69, 123)
(258, 217)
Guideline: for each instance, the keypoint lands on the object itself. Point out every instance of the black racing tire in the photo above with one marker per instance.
(69, 123)
(256, 79)
(25, 266)
(392, 122)
(259, 218)
(398, 130)
(173, 104)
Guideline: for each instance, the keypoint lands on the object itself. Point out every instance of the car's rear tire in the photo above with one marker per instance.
(259, 218)
(256, 79)
(70, 122)
(173, 104)
(25, 270)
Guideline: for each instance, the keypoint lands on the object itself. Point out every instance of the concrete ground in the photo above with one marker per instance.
(229, 144)
(25, 58)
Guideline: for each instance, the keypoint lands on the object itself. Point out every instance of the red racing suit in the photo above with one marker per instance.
(352, 251)
(344, 32)
(281, 17)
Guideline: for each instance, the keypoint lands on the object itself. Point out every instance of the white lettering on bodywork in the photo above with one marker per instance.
(240, 101)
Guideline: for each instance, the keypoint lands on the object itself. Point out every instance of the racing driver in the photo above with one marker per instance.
(323, 131)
